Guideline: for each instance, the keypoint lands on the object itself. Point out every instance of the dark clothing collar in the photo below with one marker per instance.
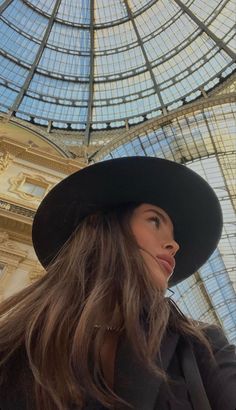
(133, 382)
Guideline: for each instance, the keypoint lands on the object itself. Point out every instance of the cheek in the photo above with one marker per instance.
(147, 236)
(140, 235)
(155, 272)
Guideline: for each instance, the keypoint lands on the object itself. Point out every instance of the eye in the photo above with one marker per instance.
(156, 220)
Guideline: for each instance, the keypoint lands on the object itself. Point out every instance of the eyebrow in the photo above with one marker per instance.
(158, 213)
(163, 218)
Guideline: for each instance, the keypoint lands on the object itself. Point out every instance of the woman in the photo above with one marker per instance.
(97, 330)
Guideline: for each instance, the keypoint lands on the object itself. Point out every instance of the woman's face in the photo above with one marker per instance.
(153, 231)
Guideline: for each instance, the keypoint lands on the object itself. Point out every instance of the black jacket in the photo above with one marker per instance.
(197, 383)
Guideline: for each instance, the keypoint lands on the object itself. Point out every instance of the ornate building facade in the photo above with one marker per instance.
(29, 168)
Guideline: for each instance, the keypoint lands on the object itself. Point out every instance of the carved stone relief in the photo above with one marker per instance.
(5, 160)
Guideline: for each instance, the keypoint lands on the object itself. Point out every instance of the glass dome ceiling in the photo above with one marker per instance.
(89, 64)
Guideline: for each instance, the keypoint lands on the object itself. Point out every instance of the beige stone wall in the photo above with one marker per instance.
(20, 265)
(27, 173)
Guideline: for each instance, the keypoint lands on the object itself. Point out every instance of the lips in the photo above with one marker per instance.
(167, 262)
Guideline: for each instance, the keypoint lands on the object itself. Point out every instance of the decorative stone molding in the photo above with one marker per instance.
(5, 205)
(17, 209)
(17, 221)
(38, 156)
(17, 185)
(36, 273)
(5, 160)
(8, 249)
(37, 130)
(10, 256)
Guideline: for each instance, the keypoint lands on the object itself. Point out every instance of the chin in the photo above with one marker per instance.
(163, 287)
(159, 278)
(160, 281)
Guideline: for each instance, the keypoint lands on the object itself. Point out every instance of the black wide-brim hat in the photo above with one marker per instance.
(187, 198)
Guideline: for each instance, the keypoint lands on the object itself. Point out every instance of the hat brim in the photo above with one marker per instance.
(186, 197)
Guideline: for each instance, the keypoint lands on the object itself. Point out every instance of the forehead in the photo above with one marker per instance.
(143, 208)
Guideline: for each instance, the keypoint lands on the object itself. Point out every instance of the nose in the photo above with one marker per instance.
(172, 247)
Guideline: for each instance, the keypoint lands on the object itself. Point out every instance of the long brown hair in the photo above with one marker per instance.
(99, 274)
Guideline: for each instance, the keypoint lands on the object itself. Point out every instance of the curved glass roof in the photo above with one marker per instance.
(89, 64)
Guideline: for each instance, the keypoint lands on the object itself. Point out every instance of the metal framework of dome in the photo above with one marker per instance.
(83, 64)
(109, 78)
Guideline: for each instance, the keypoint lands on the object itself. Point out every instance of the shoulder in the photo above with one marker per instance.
(214, 333)
(217, 339)
(218, 373)
(224, 352)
